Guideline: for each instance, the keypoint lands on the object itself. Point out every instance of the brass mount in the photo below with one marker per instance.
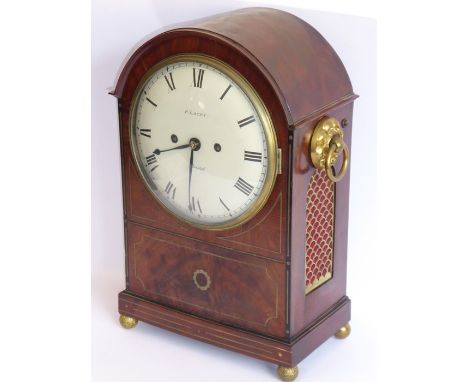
(343, 332)
(127, 322)
(287, 374)
(326, 145)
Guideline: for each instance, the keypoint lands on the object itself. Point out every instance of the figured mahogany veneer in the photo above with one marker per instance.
(255, 301)
(242, 290)
(307, 308)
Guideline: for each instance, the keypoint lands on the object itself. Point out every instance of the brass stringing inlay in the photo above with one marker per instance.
(207, 282)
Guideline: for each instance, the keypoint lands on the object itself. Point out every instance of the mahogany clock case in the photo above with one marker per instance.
(256, 303)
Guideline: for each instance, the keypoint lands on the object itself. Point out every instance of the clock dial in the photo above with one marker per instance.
(203, 142)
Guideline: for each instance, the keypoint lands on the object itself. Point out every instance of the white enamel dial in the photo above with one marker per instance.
(201, 143)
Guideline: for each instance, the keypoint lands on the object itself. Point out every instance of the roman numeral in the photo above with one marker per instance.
(252, 156)
(246, 121)
(151, 102)
(225, 92)
(169, 188)
(193, 206)
(151, 159)
(146, 132)
(198, 80)
(154, 168)
(170, 82)
(243, 186)
(224, 204)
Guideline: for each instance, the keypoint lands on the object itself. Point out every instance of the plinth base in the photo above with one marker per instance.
(283, 352)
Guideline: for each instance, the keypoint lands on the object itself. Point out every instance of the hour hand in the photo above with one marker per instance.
(157, 151)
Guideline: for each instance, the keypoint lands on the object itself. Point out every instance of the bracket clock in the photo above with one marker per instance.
(235, 136)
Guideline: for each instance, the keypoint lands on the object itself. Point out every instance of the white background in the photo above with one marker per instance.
(148, 350)
(406, 279)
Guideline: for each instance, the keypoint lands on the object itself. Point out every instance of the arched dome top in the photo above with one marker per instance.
(295, 59)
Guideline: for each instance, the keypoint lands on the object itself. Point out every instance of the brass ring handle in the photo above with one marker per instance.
(337, 145)
(326, 144)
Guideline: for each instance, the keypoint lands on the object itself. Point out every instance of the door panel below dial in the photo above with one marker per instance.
(207, 281)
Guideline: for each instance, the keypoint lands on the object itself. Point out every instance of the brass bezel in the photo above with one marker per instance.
(262, 111)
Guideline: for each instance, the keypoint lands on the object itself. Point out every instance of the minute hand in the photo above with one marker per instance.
(157, 151)
(190, 180)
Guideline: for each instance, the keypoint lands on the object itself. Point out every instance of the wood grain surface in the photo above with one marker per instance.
(256, 296)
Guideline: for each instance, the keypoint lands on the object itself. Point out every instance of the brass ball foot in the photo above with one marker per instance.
(128, 322)
(287, 374)
(343, 332)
